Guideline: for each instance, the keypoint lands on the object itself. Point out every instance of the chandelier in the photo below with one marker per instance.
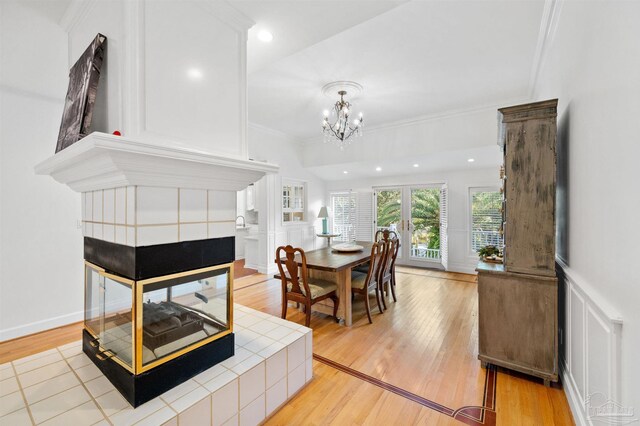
(341, 130)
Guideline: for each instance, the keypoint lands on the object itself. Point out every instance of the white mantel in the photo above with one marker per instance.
(139, 194)
(102, 161)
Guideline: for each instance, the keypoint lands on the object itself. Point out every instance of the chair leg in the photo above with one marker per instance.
(393, 290)
(378, 300)
(393, 284)
(384, 303)
(336, 303)
(367, 305)
(284, 307)
(307, 307)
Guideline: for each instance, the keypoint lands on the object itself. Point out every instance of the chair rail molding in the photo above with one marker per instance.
(590, 343)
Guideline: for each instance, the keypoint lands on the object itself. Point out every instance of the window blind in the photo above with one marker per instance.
(364, 221)
(486, 219)
(444, 227)
(343, 205)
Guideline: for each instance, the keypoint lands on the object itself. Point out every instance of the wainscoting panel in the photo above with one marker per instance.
(590, 339)
(298, 236)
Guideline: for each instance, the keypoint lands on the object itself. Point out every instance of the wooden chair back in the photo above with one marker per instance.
(375, 263)
(395, 253)
(385, 234)
(289, 271)
(390, 253)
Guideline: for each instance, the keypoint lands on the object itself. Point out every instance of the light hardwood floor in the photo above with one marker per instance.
(414, 363)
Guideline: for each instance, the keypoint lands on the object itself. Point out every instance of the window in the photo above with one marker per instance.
(343, 206)
(486, 218)
(293, 201)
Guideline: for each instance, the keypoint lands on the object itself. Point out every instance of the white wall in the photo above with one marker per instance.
(41, 272)
(175, 70)
(278, 148)
(461, 258)
(593, 67)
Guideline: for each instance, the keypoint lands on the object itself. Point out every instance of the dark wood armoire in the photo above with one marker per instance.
(518, 300)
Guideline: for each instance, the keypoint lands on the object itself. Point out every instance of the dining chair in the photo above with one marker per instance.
(393, 270)
(386, 270)
(296, 285)
(363, 283)
(381, 235)
(385, 234)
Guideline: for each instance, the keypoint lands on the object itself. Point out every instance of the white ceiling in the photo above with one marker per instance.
(298, 24)
(457, 160)
(420, 58)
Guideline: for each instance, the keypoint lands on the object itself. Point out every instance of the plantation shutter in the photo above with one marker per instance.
(486, 219)
(444, 240)
(364, 222)
(343, 206)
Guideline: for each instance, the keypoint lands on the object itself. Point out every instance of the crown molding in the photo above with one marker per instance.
(546, 35)
(431, 117)
(220, 9)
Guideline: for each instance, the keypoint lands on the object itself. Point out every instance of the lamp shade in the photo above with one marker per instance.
(323, 212)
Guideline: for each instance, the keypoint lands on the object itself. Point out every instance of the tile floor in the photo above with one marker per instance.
(61, 386)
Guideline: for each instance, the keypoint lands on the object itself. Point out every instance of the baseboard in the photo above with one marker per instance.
(38, 326)
(268, 270)
(464, 268)
(577, 408)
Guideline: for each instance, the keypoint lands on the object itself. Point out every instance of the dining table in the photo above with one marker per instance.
(330, 264)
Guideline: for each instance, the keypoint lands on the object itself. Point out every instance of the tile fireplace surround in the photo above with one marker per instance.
(272, 362)
(158, 221)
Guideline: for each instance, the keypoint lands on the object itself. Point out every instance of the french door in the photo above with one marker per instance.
(417, 213)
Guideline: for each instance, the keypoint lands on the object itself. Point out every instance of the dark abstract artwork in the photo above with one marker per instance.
(81, 95)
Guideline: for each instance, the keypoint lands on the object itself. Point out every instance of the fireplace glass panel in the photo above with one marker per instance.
(108, 304)
(182, 311)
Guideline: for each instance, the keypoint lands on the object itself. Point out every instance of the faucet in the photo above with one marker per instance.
(243, 222)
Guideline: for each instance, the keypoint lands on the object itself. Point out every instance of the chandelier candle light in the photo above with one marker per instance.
(342, 128)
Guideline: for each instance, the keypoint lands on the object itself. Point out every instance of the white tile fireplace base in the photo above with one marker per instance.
(61, 386)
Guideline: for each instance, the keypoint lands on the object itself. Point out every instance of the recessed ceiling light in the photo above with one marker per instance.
(378, 168)
(471, 160)
(265, 36)
(194, 73)
(416, 165)
(345, 172)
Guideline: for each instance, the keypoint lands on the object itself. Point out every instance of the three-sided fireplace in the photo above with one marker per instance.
(147, 327)
(159, 245)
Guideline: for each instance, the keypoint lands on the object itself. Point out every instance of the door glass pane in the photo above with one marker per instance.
(389, 210)
(108, 306)
(179, 312)
(117, 333)
(425, 221)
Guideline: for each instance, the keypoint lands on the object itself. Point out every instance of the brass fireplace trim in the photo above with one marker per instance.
(136, 309)
(138, 315)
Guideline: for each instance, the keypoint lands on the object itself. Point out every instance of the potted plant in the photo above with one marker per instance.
(490, 253)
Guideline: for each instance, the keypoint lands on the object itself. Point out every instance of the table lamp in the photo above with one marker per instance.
(324, 214)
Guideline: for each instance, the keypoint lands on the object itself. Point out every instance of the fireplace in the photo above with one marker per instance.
(144, 309)
(159, 246)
